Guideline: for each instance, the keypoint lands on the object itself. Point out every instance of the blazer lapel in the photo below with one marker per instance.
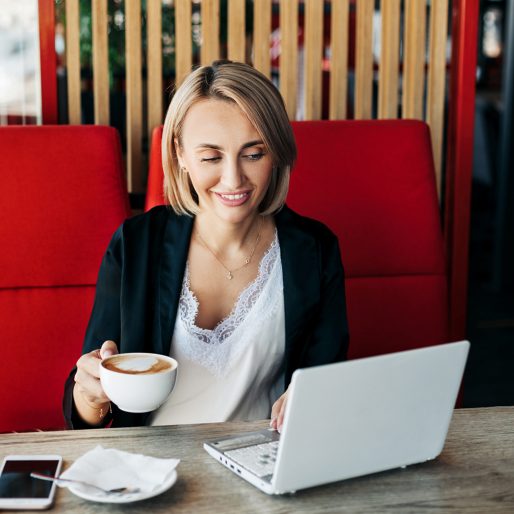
(298, 253)
(176, 238)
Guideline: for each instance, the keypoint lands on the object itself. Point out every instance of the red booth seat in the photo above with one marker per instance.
(373, 184)
(62, 195)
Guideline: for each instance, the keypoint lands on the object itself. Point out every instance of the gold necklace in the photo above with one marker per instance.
(230, 273)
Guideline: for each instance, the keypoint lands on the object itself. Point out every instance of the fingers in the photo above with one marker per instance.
(108, 348)
(89, 362)
(280, 418)
(276, 407)
(90, 388)
(87, 377)
(277, 412)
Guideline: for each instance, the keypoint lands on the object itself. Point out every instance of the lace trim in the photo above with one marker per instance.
(189, 305)
(216, 349)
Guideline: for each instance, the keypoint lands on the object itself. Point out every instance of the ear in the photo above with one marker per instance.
(178, 150)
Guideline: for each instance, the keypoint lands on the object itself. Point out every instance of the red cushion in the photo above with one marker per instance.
(390, 314)
(42, 332)
(62, 194)
(372, 183)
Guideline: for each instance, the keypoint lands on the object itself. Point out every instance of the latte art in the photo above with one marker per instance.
(137, 364)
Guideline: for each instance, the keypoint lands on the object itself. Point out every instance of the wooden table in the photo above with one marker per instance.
(475, 472)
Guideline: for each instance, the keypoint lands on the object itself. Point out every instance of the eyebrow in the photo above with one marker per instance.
(217, 147)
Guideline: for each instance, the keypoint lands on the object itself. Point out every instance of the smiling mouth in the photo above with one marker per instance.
(234, 199)
(238, 196)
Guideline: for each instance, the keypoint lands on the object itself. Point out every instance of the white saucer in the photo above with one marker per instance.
(97, 496)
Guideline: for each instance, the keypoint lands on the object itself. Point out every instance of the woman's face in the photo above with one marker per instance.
(226, 159)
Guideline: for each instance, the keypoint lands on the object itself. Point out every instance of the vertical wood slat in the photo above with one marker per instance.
(313, 58)
(364, 59)
(261, 36)
(100, 62)
(73, 61)
(134, 94)
(414, 60)
(389, 60)
(210, 50)
(338, 59)
(154, 63)
(289, 54)
(436, 81)
(236, 30)
(183, 40)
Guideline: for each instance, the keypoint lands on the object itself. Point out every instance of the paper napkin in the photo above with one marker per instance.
(109, 468)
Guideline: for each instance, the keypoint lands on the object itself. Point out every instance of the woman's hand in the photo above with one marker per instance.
(90, 400)
(277, 412)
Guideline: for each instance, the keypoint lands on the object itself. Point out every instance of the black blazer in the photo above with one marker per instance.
(140, 281)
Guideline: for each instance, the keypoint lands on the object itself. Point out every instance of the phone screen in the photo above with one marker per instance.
(16, 482)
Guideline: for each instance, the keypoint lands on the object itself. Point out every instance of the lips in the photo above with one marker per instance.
(233, 199)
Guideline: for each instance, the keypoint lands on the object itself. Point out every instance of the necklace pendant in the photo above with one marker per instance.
(247, 260)
(229, 275)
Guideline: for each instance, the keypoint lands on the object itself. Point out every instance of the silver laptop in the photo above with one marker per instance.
(352, 418)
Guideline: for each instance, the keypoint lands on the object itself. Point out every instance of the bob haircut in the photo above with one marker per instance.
(259, 99)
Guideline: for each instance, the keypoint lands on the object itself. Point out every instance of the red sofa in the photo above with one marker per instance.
(373, 183)
(62, 195)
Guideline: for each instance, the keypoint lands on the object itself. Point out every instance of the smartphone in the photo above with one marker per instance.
(18, 490)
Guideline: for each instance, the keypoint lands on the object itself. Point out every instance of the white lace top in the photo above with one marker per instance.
(234, 371)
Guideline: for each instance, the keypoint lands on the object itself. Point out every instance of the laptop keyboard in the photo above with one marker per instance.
(259, 459)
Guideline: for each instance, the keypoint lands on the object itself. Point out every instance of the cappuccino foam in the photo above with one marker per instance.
(137, 364)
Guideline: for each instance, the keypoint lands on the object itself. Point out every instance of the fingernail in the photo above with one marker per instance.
(106, 353)
(272, 421)
(279, 429)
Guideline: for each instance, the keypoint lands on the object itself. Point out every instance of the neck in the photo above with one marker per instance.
(225, 237)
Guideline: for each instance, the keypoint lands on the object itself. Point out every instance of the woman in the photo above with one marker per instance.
(229, 281)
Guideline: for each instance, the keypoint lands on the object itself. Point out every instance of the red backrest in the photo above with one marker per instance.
(373, 184)
(62, 195)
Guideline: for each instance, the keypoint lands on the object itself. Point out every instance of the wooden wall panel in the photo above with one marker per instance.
(73, 61)
(236, 30)
(437, 80)
(154, 63)
(261, 36)
(134, 95)
(289, 54)
(210, 50)
(313, 47)
(339, 59)
(414, 60)
(389, 60)
(364, 59)
(183, 40)
(414, 44)
(100, 62)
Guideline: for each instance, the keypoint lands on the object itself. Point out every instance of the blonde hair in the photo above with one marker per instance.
(261, 102)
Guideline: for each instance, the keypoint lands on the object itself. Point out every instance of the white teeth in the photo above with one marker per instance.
(234, 197)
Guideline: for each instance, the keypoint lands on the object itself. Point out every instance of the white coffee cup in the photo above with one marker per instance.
(138, 382)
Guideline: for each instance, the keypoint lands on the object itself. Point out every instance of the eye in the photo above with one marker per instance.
(254, 156)
(210, 159)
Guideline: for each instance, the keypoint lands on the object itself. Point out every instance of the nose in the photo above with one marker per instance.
(232, 177)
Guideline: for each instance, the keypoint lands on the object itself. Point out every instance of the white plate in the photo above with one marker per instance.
(97, 496)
